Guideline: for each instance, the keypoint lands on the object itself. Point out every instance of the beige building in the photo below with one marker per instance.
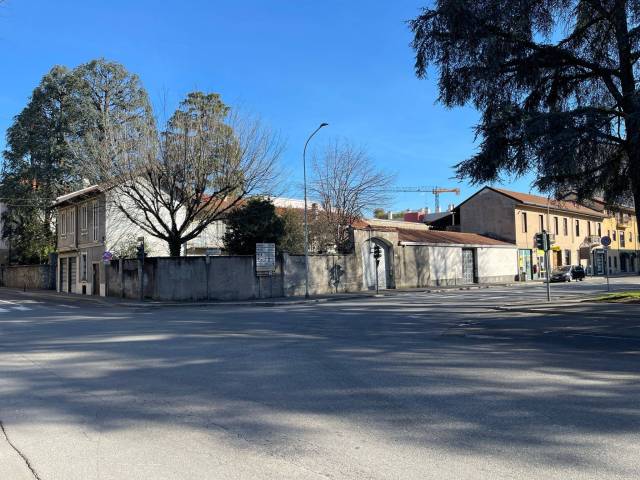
(622, 227)
(516, 217)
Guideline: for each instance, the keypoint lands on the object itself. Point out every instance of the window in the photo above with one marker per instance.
(622, 242)
(96, 221)
(614, 235)
(615, 262)
(83, 218)
(589, 227)
(565, 227)
(63, 224)
(72, 221)
(577, 228)
(83, 267)
(524, 222)
(599, 230)
(609, 263)
(541, 223)
(567, 257)
(556, 225)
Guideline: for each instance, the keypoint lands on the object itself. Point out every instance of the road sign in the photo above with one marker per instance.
(265, 258)
(605, 241)
(107, 257)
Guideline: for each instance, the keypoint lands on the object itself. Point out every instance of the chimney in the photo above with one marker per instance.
(427, 211)
(451, 207)
(390, 215)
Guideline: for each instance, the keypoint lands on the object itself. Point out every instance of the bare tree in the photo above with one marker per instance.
(175, 183)
(347, 183)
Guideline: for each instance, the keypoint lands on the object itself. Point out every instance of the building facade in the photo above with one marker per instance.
(89, 225)
(412, 255)
(621, 227)
(516, 218)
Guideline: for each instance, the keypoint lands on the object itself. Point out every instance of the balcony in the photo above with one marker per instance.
(623, 220)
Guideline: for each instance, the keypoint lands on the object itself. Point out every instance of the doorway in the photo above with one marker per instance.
(64, 278)
(468, 266)
(73, 272)
(95, 279)
(370, 267)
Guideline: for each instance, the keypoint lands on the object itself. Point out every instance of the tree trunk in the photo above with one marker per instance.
(175, 247)
(633, 152)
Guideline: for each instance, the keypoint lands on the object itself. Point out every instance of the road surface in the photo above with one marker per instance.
(454, 385)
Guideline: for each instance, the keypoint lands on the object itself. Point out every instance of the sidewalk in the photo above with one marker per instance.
(130, 303)
(259, 302)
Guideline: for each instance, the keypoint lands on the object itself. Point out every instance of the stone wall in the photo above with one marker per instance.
(327, 274)
(31, 277)
(234, 278)
(193, 278)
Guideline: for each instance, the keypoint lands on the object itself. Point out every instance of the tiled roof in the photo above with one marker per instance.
(90, 190)
(437, 236)
(383, 224)
(419, 233)
(538, 201)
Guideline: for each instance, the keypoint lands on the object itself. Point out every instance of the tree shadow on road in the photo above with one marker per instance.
(468, 383)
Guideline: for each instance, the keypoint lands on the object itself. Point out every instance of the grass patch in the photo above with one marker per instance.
(621, 297)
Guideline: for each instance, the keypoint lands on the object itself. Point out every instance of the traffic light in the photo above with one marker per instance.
(542, 241)
(376, 253)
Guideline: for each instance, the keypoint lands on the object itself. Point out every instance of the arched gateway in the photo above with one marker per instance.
(369, 264)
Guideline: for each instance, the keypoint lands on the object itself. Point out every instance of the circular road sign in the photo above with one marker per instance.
(605, 241)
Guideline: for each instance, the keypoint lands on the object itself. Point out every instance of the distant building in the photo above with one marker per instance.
(516, 217)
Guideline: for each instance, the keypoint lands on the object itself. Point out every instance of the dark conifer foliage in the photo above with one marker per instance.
(555, 82)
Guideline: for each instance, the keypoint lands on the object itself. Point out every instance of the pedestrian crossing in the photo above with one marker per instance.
(16, 306)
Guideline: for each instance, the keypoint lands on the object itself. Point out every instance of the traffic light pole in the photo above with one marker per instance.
(543, 242)
(546, 264)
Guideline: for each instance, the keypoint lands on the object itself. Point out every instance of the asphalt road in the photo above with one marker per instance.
(488, 383)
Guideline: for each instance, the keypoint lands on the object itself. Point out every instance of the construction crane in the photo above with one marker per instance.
(436, 191)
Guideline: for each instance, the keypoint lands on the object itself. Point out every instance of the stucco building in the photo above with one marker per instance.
(622, 227)
(413, 255)
(88, 225)
(516, 217)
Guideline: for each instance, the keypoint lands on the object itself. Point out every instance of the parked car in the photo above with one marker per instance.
(568, 273)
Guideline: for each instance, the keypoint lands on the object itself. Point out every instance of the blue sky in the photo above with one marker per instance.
(295, 63)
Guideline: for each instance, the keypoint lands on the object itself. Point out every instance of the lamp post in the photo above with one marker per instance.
(306, 224)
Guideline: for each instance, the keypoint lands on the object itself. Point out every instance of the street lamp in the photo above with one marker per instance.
(306, 224)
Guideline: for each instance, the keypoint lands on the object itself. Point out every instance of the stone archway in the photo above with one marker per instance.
(369, 264)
